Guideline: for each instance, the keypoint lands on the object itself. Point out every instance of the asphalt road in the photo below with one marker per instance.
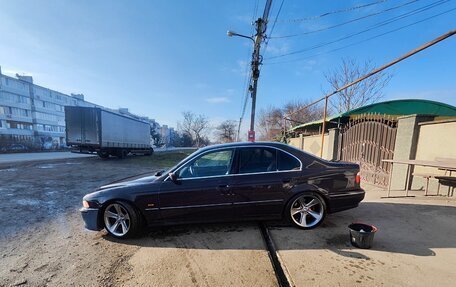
(35, 156)
(43, 156)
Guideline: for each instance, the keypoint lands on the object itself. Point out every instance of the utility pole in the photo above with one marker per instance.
(261, 24)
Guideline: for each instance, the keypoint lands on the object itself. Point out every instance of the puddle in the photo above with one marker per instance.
(9, 169)
(49, 193)
(53, 165)
(28, 202)
(47, 166)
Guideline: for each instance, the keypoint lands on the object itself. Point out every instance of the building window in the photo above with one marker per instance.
(18, 125)
(15, 112)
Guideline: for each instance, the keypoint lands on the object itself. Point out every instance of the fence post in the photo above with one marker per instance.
(333, 144)
(405, 147)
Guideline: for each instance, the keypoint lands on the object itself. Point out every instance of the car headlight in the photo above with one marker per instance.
(89, 204)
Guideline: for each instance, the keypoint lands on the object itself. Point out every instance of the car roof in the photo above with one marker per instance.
(243, 144)
(302, 155)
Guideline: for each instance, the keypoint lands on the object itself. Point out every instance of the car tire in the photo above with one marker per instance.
(121, 220)
(306, 210)
(103, 154)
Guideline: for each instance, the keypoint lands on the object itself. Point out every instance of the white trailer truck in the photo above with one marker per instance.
(90, 130)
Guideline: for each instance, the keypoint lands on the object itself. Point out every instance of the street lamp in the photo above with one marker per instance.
(256, 61)
(255, 74)
(232, 33)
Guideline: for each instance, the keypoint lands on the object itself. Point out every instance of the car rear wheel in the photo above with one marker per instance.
(307, 210)
(120, 220)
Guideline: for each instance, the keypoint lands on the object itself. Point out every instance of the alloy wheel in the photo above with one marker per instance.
(117, 219)
(307, 210)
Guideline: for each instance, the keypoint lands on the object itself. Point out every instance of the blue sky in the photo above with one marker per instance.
(159, 58)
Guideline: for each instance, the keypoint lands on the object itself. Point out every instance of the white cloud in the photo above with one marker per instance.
(242, 68)
(218, 100)
(274, 49)
(303, 68)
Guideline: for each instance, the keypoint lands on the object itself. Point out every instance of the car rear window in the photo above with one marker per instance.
(287, 162)
(257, 160)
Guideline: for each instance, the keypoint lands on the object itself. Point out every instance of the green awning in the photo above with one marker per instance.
(405, 107)
(394, 108)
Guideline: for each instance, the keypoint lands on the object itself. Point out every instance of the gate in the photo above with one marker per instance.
(368, 139)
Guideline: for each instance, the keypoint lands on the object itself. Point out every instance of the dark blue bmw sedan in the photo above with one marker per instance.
(228, 182)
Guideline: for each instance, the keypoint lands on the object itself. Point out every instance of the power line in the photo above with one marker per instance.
(275, 21)
(365, 40)
(349, 9)
(378, 70)
(380, 24)
(273, 26)
(347, 22)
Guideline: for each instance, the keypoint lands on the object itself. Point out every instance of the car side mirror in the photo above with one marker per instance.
(172, 176)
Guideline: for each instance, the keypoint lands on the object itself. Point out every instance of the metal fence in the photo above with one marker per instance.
(367, 139)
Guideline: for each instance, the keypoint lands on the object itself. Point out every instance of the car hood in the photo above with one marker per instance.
(149, 177)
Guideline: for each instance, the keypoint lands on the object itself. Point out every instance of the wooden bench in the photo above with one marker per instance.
(428, 176)
(449, 181)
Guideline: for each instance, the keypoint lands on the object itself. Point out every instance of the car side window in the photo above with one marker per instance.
(257, 160)
(287, 162)
(210, 164)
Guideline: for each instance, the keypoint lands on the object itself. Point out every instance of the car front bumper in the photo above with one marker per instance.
(90, 217)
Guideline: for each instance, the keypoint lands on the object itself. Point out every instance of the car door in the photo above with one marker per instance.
(258, 188)
(201, 191)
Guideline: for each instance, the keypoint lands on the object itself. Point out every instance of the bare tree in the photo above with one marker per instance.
(186, 125)
(195, 126)
(296, 113)
(365, 92)
(226, 131)
(270, 123)
(200, 127)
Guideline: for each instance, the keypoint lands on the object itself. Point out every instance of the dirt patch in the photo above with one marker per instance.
(43, 241)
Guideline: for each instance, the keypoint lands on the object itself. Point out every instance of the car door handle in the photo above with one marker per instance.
(224, 188)
(286, 180)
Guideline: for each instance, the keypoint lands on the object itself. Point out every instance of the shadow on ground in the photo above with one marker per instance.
(413, 229)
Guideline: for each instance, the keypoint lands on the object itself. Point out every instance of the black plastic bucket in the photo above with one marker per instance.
(362, 235)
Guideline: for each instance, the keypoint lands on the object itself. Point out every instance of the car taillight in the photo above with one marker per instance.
(358, 178)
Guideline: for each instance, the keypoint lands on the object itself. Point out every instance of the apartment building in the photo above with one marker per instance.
(33, 117)
(167, 134)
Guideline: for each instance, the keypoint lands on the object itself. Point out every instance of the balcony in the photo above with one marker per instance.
(16, 118)
(16, 132)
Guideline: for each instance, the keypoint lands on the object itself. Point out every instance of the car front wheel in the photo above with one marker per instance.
(307, 210)
(120, 220)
